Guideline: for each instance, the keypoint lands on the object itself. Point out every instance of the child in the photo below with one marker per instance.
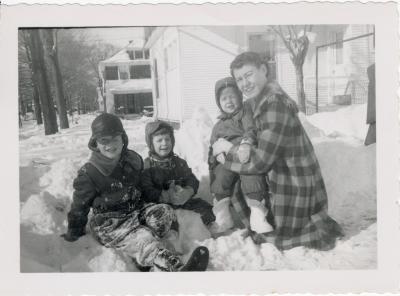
(235, 125)
(108, 184)
(166, 177)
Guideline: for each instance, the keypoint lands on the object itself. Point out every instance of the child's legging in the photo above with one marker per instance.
(136, 234)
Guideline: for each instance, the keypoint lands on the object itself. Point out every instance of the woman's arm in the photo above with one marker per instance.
(276, 133)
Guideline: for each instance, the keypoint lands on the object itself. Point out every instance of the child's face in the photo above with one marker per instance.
(162, 144)
(110, 146)
(229, 100)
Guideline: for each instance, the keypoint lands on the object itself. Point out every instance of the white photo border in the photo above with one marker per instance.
(384, 279)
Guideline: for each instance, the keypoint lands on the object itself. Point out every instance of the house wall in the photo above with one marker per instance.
(205, 58)
(165, 50)
(332, 78)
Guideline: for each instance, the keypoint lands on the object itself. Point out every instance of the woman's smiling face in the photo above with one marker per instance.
(251, 79)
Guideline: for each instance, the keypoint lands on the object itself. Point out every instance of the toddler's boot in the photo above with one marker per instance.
(258, 216)
(168, 261)
(223, 217)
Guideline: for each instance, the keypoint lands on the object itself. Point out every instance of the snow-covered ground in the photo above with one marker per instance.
(48, 165)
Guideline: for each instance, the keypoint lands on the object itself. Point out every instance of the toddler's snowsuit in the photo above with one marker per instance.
(160, 172)
(234, 128)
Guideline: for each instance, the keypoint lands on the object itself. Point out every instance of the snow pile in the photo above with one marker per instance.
(48, 165)
(349, 121)
(193, 140)
(38, 213)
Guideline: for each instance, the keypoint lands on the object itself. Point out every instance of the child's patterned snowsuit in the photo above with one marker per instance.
(120, 217)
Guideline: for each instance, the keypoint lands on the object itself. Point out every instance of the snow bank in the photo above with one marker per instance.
(48, 165)
(348, 121)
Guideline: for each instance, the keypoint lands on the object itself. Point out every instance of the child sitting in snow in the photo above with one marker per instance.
(235, 125)
(108, 184)
(166, 178)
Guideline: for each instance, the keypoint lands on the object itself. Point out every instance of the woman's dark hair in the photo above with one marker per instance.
(246, 58)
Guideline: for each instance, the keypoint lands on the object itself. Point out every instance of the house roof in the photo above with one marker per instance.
(122, 55)
(132, 86)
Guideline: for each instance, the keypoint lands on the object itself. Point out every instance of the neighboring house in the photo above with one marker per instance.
(188, 60)
(126, 80)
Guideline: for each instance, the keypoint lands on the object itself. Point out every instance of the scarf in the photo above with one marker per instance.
(104, 164)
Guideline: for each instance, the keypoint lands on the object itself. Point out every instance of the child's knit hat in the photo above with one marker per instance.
(223, 83)
(106, 124)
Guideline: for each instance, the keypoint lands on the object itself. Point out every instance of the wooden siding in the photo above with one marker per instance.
(202, 64)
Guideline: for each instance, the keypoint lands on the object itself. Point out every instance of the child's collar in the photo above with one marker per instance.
(104, 164)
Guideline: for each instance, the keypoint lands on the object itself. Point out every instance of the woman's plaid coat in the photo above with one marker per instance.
(298, 196)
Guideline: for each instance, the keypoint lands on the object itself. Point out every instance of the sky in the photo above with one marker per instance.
(117, 36)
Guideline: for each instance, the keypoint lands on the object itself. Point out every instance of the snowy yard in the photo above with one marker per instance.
(48, 165)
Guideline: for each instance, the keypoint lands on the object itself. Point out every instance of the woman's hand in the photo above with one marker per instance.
(221, 146)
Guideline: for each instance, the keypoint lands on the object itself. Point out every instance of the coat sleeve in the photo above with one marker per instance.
(250, 130)
(274, 136)
(149, 191)
(189, 178)
(212, 160)
(83, 196)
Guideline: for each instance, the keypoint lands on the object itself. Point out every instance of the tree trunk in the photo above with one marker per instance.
(35, 83)
(38, 109)
(51, 50)
(300, 87)
(39, 69)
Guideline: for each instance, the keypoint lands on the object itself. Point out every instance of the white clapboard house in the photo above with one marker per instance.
(187, 61)
(126, 80)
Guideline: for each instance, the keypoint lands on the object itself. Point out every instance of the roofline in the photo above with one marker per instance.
(155, 35)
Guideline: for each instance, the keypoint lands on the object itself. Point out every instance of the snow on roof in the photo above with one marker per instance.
(122, 55)
(132, 86)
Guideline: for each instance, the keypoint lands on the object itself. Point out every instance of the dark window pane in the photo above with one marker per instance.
(339, 48)
(130, 53)
(112, 73)
(147, 54)
(140, 71)
(157, 93)
(138, 54)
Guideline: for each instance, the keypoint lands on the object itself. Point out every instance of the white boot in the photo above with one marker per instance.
(258, 214)
(223, 217)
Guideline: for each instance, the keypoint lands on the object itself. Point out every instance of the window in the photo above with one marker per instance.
(166, 58)
(265, 45)
(138, 54)
(112, 73)
(339, 48)
(157, 93)
(130, 54)
(140, 71)
(146, 54)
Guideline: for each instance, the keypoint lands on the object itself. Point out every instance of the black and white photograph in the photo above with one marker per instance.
(151, 148)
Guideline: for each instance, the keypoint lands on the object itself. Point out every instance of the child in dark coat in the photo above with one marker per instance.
(167, 178)
(109, 185)
(236, 126)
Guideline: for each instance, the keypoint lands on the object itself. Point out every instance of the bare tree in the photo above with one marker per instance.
(39, 69)
(28, 79)
(50, 38)
(296, 41)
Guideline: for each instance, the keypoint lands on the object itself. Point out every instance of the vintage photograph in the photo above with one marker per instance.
(197, 148)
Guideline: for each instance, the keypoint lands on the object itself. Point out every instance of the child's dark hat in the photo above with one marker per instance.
(107, 125)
